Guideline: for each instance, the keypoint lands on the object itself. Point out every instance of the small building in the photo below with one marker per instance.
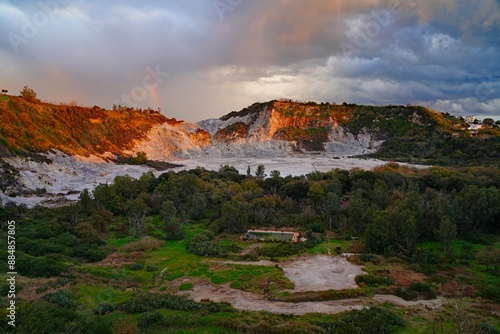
(271, 235)
(470, 119)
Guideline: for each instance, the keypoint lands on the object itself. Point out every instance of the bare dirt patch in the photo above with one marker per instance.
(118, 259)
(321, 272)
(405, 277)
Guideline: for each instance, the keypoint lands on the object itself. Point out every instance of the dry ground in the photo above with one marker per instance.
(308, 273)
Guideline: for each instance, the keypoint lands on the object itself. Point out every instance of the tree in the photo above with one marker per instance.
(375, 236)
(488, 121)
(332, 208)
(234, 216)
(446, 232)
(356, 210)
(380, 194)
(195, 204)
(86, 202)
(261, 172)
(275, 174)
(317, 195)
(409, 235)
(173, 229)
(136, 216)
(29, 94)
(100, 219)
(86, 233)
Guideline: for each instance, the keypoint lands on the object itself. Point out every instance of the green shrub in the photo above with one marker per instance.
(104, 308)
(89, 253)
(309, 296)
(417, 290)
(425, 290)
(60, 282)
(210, 248)
(61, 298)
(373, 280)
(147, 319)
(491, 292)
(425, 261)
(38, 266)
(136, 266)
(151, 268)
(39, 316)
(485, 328)
(366, 257)
(368, 320)
(148, 302)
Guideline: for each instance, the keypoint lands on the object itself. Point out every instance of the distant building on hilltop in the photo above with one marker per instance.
(470, 119)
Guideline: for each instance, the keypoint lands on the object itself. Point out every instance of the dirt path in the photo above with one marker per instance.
(249, 301)
(254, 302)
(308, 273)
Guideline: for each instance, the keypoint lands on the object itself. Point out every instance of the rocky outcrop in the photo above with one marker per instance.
(284, 128)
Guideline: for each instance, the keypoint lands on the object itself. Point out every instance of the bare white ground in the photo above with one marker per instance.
(322, 272)
(66, 176)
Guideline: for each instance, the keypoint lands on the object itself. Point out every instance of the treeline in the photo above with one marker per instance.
(391, 209)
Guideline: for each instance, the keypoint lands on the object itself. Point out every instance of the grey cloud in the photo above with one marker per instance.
(432, 52)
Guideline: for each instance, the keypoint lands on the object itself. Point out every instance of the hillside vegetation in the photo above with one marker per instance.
(34, 126)
(123, 254)
(410, 133)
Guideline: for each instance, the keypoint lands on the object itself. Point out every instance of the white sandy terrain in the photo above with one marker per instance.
(322, 272)
(297, 165)
(67, 176)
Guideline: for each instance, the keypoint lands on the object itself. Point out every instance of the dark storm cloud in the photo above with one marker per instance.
(222, 55)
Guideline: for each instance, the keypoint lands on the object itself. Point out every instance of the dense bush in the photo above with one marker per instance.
(484, 328)
(151, 268)
(417, 290)
(491, 292)
(366, 321)
(309, 296)
(60, 282)
(210, 248)
(104, 308)
(62, 298)
(136, 266)
(202, 245)
(38, 266)
(148, 302)
(283, 249)
(148, 319)
(374, 280)
(39, 316)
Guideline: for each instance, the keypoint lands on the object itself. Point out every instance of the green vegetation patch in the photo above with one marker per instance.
(310, 296)
(251, 278)
(186, 286)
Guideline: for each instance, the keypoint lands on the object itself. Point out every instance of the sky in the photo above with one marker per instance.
(199, 59)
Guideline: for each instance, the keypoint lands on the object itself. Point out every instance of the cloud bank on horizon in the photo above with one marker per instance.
(199, 59)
